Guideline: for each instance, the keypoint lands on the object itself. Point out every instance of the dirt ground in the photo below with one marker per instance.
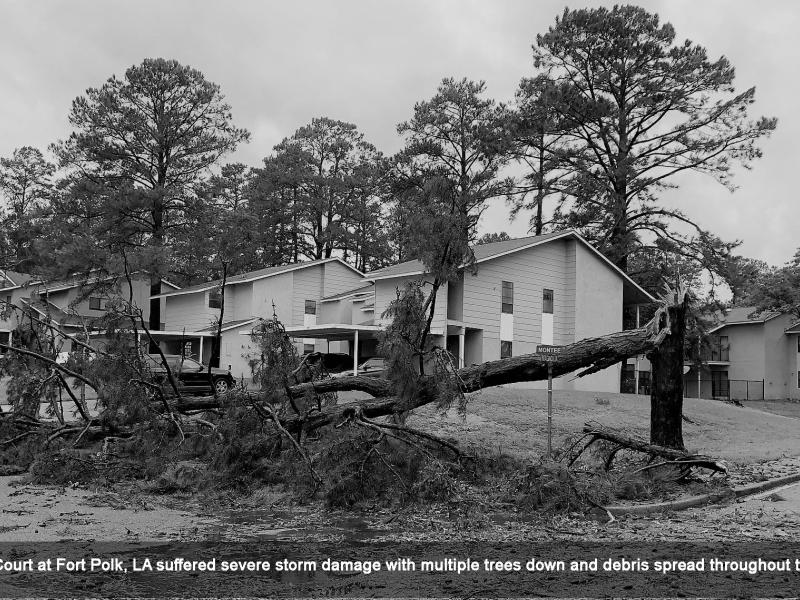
(512, 419)
(757, 444)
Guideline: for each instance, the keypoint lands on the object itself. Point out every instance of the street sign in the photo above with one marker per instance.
(548, 349)
(549, 354)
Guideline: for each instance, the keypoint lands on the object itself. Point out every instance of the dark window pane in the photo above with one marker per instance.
(505, 349)
(308, 348)
(94, 303)
(547, 302)
(507, 297)
(311, 307)
(215, 299)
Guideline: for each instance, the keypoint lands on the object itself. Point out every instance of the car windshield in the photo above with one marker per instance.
(189, 364)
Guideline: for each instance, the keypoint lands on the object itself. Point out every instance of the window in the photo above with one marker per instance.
(311, 307)
(628, 382)
(5, 338)
(215, 298)
(505, 349)
(95, 303)
(547, 302)
(507, 300)
(308, 348)
(719, 384)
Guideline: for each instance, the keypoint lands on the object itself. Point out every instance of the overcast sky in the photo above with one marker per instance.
(281, 63)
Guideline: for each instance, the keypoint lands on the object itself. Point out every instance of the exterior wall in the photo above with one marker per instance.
(794, 375)
(746, 352)
(455, 299)
(278, 290)
(531, 271)
(597, 311)
(779, 359)
(386, 291)
(189, 312)
(359, 316)
(238, 302)
(338, 278)
(235, 351)
(10, 319)
(308, 284)
(338, 311)
(75, 300)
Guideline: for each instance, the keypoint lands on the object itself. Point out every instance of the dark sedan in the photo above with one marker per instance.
(192, 377)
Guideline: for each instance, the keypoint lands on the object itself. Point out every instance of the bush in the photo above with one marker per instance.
(551, 487)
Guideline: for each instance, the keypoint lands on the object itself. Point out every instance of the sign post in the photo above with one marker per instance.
(549, 354)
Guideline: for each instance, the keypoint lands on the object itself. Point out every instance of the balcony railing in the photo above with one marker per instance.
(714, 350)
(718, 352)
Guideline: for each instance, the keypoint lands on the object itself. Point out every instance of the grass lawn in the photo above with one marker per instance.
(513, 419)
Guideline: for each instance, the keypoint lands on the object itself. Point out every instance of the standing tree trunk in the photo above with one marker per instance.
(666, 396)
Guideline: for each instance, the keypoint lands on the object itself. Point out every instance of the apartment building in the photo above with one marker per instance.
(549, 289)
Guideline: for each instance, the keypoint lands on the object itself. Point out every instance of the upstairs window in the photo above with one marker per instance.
(215, 298)
(5, 338)
(506, 349)
(95, 303)
(311, 307)
(507, 299)
(547, 302)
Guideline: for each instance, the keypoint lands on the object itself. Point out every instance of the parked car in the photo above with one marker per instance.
(335, 362)
(372, 367)
(191, 376)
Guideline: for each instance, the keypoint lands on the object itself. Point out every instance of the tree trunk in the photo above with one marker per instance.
(666, 396)
(591, 355)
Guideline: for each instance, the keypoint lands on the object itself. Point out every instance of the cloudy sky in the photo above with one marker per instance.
(281, 63)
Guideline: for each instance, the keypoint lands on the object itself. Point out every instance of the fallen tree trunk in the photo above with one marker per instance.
(587, 356)
(591, 355)
(672, 455)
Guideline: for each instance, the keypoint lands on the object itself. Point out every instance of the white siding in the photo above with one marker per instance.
(386, 292)
(531, 271)
(277, 289)
(239, 301)
(338, 278)
(598, 311)
(189, 312)
(307, 286)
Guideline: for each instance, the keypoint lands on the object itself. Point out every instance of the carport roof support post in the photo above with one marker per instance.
(355, 353)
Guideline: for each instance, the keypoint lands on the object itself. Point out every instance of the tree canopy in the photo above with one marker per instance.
(641, 108)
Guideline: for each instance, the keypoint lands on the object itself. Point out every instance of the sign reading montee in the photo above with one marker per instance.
(547, 353)
(548, 350)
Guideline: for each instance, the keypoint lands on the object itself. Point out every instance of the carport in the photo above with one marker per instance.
(338, 332)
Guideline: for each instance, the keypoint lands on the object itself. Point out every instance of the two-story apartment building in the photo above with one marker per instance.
(549, 289)
(753, 355)
(292, 292)
(74, 306)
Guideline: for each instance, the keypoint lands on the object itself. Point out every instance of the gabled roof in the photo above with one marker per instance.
(744, 315)
(253, 276)
(485, 252)
(364, 289)
(794, 328)
(11, 280)
(61, 318)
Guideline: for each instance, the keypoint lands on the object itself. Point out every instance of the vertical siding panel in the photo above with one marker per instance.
(307, 286)
(531, 271)
(278, 289)
(337, 279)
